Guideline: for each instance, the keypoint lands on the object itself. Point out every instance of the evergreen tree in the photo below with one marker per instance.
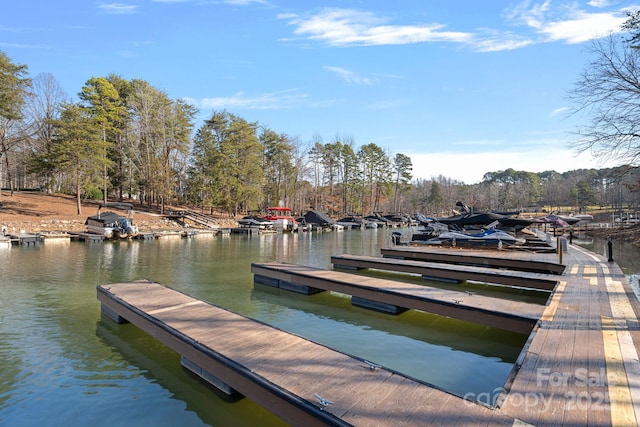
(79, 149)
(102, 101)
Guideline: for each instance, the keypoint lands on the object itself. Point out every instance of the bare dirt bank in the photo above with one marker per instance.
(35, 212)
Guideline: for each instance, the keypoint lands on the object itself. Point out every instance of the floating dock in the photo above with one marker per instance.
(302, 382)
(518, 261)
(456, 273)
(580, 365)
(392, 296)
(25, 239)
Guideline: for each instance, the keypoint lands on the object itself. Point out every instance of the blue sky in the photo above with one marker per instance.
(463, 88)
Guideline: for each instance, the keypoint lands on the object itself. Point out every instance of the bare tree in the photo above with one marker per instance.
(42, 110)
(608, 91)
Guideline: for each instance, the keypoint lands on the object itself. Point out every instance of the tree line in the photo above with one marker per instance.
(127, 140)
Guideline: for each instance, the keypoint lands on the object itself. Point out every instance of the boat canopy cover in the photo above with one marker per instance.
(315, 217)
(117, 205)
(107, 218)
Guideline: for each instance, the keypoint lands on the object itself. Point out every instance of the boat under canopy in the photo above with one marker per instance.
(111, 224)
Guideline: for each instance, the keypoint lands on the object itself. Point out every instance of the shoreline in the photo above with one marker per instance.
(36, 212)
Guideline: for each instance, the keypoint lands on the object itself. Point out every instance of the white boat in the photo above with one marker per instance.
(252, 221)
(282, 218)
(112, 225)
(337, 227)
(356, 222)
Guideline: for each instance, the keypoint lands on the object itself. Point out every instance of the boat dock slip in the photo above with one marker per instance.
(442, 271)
(538, 263)
(514, 316)
(26, 239)
(302, 382)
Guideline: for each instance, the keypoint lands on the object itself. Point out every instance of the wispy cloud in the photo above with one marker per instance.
(23, 46)
(349, 76)
(559, 111)
(602, 3)
(344, 27)
(231, 2)
(118, 8)
(265, 101)
(532, 23)
(245, 2)
(569, 23)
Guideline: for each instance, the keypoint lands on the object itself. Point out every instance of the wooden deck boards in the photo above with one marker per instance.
(515, 316)
(580, 365)
(285, 382)
(450, 272)
(539, 263)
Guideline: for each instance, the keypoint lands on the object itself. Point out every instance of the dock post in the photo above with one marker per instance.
(559, 249)
(609, 249)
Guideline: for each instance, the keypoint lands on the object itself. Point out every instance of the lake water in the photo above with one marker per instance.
(64, 364)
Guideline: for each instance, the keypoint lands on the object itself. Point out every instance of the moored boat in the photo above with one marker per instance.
(491, 237)
(282, 218)
(256, 222)
(112, 225)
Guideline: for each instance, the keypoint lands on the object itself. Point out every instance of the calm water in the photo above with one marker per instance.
(63, 363)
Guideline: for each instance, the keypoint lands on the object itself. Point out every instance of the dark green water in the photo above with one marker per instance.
(64, 364)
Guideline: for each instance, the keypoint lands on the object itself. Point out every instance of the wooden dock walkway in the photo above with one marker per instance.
(441, 271)
(540, 263)
(580, 365)
(25, 239)
(302, 382)
(377, 294)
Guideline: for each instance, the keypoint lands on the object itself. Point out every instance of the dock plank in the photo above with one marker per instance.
(284, 382)
(449, 272)
(537, 263)
(511, 315)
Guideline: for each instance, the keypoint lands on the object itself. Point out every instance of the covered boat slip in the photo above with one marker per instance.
(443, 271)
(539, 263)
(302, 382)
(393, 296)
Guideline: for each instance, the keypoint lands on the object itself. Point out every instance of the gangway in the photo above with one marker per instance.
(198, 218)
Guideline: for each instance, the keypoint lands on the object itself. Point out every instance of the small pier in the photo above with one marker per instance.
(540, 263)
(25, 239)
(88, 237)
(252, 230)
(300, 381)
(393, 297)
(456, 273)
(55, 237)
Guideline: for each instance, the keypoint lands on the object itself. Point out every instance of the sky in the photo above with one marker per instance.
(461, 87)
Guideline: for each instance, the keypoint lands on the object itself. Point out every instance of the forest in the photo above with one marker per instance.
(127, 140)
